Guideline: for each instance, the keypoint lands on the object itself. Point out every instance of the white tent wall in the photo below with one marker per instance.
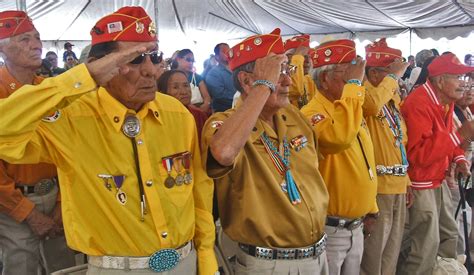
(200, 24)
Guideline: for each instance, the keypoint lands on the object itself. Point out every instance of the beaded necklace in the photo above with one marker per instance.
(393, 119)
(282, 164)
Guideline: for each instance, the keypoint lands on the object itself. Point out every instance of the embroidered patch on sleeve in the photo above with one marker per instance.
(53, 117)
(315, 119)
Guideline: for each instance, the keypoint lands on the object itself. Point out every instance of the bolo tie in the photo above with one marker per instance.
(131, 128)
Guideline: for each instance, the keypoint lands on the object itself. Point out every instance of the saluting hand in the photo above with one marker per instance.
(398, 67)
(104, 69)
(356, 71)
(269, 67)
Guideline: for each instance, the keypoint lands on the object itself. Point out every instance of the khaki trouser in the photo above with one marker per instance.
(186, 266)
(381, 249)
(461, 246)
(433, 230)
(344, 250)
(21, 248)
(246, 264)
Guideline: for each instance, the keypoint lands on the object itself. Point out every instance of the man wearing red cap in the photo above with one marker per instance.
(348, 167)
(388, 131)
(432, 143)
(28, 193)
(264, 158)
(302, 87)
(135, 197)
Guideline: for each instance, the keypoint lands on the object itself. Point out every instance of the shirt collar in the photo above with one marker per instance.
(283, 120)
(11, 83)
(431, 94)
(116, 111)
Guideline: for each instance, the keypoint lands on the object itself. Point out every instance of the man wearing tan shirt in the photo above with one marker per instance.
(28, 193)
(263, 154)
(388, 131)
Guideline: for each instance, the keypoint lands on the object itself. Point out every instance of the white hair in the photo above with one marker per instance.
(3, 42)
(317, 73)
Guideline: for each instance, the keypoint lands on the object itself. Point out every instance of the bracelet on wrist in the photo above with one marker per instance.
(394, 76)
(264, 82)
(373, 215)
(355, 81)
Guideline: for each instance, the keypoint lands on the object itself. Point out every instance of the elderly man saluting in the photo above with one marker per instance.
(134, 194)
(263, 155)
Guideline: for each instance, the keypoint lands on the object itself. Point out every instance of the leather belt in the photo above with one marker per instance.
(344, 223)
(127, 263)
(395, 170)
(313, 251)
(41, 188)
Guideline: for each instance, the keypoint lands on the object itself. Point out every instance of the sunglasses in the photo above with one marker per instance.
(288, 69)
(155, 56)
(189, 59)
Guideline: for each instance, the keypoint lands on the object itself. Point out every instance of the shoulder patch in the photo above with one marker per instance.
(315, 119)
(53, 117)
(217, 124)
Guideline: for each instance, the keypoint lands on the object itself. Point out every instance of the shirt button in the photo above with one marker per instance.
(116, 119)
(77, 85)
(164, 235)
(149, 183)
(139, 142)
(359, 94)
(157, 114)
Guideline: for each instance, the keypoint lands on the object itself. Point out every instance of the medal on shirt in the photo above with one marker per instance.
(120, 195)
(168, 165)
(106, 179)
(178, 166)
(188, 178)
(131, 126)
(298, 142)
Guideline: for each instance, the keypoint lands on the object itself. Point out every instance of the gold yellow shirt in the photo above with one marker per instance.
(387, 153)
(341, 130)
(300, 83)
(84, 139)
(252, 206)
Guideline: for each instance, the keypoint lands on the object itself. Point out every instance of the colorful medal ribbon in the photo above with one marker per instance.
(168, 165)
(393, 120)
(188, 178)
(282, 164)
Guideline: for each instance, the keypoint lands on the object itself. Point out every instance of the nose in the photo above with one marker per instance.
(285, 80)
(147, 68)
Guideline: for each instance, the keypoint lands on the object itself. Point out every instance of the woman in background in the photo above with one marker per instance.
(184, 61)
(175, 83)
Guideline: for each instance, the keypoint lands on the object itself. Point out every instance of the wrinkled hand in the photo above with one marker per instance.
(463, 169)
(467, 130)
(39, 223)
(398, 67)
(369, 225)
(269, 67)
(356, 71)
(104, 69)
(410, 198)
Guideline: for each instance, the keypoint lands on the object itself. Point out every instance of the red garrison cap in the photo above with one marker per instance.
(448, 64)
(127, 24)
(255, 47)
(14, 23)
(334, 52)
(379, 54)
(296, 41)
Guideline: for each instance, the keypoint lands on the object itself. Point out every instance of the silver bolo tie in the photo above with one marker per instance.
(131, 128)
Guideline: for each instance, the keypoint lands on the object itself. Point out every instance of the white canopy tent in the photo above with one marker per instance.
(203, 23)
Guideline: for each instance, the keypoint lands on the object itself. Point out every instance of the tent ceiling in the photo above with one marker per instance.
(60, 20)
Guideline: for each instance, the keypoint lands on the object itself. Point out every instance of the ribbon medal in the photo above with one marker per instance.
(178, 166)
(188, 178)
(168, 165)
(106, 179)
(120, 195)
(298, 142)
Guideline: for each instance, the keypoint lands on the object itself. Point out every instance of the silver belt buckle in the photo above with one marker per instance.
(354, 224)
(399, 170)
(43, 187)
(381, 170)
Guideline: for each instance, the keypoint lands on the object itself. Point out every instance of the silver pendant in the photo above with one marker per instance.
(131, 126)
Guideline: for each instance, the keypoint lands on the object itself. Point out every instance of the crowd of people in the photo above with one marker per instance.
(314, 160)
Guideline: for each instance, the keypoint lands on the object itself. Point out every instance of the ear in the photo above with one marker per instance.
(323, 76)
(244, 80)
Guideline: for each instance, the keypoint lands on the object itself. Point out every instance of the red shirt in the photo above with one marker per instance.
(200, 117)
(432, 139)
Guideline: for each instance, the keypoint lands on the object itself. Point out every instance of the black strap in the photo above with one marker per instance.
(369, 170)
(139, 176)
(459, 114)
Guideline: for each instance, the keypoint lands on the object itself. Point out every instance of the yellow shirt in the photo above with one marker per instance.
(252, 206)
(386, 152)
(302, 88)
(339, 126)
(84, 139)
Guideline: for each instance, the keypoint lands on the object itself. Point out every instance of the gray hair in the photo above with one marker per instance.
(422, 56)
(317, 73)
(247, 67)
(4, 42)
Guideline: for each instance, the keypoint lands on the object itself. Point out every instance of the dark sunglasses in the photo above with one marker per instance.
(155, 56)
(189, 59)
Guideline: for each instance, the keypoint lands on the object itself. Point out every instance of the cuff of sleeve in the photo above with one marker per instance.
(460, 158)
(297, 60)
(207, 263)
(22, 210)
(456, 138)
(353, 91)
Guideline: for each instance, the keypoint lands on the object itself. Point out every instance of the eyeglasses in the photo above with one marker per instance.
(155, 56)
(288, 69)
(189, 59)
(69, 59)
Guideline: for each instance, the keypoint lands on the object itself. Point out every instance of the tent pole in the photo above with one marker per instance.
(410, 39)
(156, 18)
(21, 5)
